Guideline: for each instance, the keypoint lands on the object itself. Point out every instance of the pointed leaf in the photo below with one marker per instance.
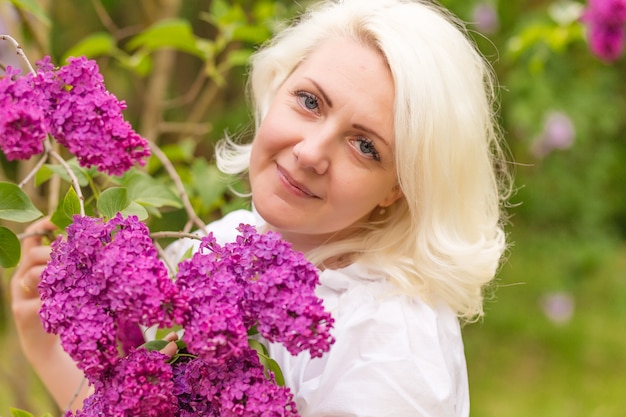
(16, 412)
(157, 344)
(94, 45)
(148, 191)
(135, 209)
(63, 215)
(15, 205)
(258, 346)
(10, 249)
(278, 373)
(82, 175)
(172, 33)
(210, 186)
(112, 201)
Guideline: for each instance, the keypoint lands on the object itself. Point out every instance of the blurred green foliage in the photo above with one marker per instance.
(180, 65)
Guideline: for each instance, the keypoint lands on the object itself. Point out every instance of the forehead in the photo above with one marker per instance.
(355, 77)
(341, 55)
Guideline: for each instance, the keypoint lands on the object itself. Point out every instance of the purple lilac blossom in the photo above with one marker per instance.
(102, 274)
(71, 104)
(129, 335)
(258, 279)
(280, 295)
(140, 384)
(22, 119)
(214, 327)
(606, 20)
(106, 275)
(87, 119)
(236, 387)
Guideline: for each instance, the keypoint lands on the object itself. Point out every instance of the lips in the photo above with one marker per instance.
(294, 185)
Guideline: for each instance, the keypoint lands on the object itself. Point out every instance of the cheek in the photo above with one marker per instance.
(261, 145)
(274, 130)
(364, 191)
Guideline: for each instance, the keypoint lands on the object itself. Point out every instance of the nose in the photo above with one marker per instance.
(315, 150)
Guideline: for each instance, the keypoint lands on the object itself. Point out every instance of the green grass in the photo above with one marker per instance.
(522, 364)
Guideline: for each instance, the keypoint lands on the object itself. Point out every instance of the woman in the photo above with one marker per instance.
(376, 154)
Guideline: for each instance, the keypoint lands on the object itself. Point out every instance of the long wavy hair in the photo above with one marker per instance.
(444, 238)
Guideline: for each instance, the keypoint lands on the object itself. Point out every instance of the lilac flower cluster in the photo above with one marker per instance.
(71, 104)
(606, 21)
(256, 280)
(235, 387)
(140, 384)
(105, 275)
(106, 278)
(22, 121)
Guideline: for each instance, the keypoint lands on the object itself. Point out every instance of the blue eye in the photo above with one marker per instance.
(367, 147)
(308, 100)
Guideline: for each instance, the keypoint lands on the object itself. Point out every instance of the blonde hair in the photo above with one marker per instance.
(444, 239)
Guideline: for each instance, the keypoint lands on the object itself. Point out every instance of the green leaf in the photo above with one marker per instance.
(33, 7)
(15, 205)
(65, 211)
(239, 58)
(256, 34)
(146, 190)
(43, 174)
(258, 346)
(94, 45)
(162, 332)
(267, 362)
(82, 175)
(16, 412)
(209, 185)
(278, 373)
(112, 201)
(10, 249)
(172, 33)
(135, 209)
(157, 344)
(140, 62)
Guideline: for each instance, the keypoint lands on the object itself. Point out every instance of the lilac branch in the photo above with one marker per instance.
(178, 183)
(34, 170)
(70, 173)
(19, 50)
(175, 235)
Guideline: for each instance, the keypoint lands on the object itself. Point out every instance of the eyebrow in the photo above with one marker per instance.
(356, 126)
(371, 132)
(322, 92)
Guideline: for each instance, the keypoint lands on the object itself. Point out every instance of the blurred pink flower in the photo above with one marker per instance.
(558, 133)
(558, 307)
(485, 18)
(606, 23)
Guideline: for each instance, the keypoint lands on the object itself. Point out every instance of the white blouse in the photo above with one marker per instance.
(394, 355)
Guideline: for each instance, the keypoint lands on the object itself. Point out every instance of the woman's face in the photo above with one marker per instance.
(322, 159)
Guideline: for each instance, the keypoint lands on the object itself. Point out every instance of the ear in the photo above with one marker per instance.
(394, 194)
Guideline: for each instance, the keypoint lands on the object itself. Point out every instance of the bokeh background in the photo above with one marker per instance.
(552, 343)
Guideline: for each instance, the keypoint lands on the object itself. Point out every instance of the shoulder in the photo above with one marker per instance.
(394, 354)
(373, 313)
(358, 297)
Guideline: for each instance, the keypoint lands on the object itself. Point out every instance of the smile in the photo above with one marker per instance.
(292, 185)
